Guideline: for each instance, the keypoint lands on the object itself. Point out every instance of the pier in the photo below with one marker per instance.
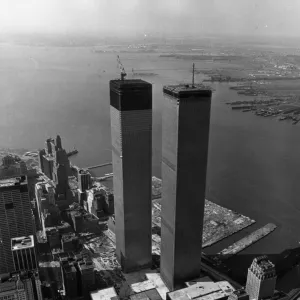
(99, 166)
(248, 240)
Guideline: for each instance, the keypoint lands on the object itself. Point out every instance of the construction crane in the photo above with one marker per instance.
(121, 67)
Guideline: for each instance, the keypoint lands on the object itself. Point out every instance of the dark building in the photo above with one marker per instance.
(131, 133)
(61, 168)
(24, 253)
(86, 276)
(185, 136)
(69, 242)
(70, 282)
(15, 218)
(42, 152)
(261, 279)
(84, 180)
(55, 164)
(53, 238)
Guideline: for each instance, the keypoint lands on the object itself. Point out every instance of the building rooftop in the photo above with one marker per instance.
(69, 268)
(22, 242)
(203, 291)
(264, 263)
(84, 171)
(12, 181)
(151, 294)
(240, 292)
(86, 265)
(184, 91)
(105, 294)
(49, 264)
(68, 237)
(127, 83)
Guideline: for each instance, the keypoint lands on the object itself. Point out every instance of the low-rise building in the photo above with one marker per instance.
(105, 294)
(204, 291)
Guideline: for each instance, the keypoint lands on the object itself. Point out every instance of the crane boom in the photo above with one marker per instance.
(121, 67)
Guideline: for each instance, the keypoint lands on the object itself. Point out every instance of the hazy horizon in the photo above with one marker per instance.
(136, 17)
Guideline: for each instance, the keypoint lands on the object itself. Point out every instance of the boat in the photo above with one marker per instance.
(247, 109)
(282, 118)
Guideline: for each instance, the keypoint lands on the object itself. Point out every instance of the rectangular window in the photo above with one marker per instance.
(9, 205)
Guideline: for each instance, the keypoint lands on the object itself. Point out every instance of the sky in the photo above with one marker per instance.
(192, 17)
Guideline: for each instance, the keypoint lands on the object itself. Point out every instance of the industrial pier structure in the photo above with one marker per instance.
(185, 136)
(131, 135)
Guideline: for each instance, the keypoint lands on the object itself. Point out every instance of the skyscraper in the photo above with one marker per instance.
(131, 135)
(185, 136)
(69, 276)
(84, 180)
(15, 218)
(261, 279)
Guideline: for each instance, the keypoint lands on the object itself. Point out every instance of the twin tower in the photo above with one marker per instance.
(185, 136)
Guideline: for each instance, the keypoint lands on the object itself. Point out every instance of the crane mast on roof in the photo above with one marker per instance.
(121, 67)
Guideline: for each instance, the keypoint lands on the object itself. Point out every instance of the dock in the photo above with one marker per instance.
(73, 152)
(99, 166)
(103, 178)
(247, 240)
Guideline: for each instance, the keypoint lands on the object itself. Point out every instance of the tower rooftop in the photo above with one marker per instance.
(264, 263)
(129, 83)
(187, 90)
(7, 182)
(23, 242)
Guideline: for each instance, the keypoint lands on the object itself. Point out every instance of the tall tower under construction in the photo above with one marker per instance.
(131, 136)
(185, 137)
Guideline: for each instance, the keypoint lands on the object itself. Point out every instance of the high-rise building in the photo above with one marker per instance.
(261, 279)
(55, 164)
(20, 286)
(15, 218)
(24, 253)
(131, 134)
(12, 288)
(12, 166)
(69, 277)
(84, 180)
(86, 276)
(185, 136)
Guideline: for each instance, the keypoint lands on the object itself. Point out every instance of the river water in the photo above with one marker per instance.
(254, 165)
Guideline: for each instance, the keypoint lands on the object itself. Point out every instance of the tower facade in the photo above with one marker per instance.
(261, 279)
(185, 137)
(15, 218)
(24, 253)
(131, 136)
(84, 180)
